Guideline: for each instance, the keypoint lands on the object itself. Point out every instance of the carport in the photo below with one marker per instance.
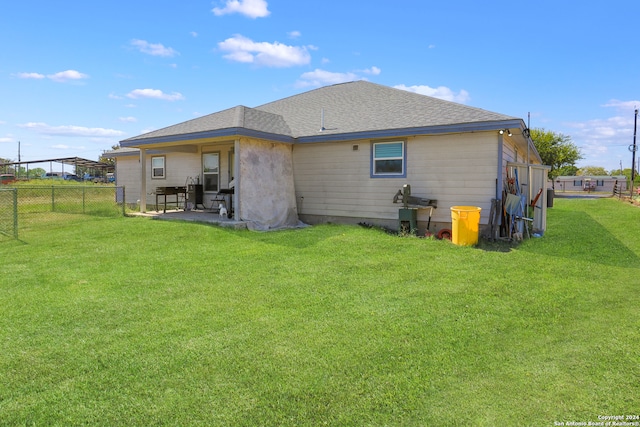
(94, 167)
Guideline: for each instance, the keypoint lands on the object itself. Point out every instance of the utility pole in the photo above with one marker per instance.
(633, 150)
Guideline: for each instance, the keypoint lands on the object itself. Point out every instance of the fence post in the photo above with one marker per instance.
(83, 201)
(15, 213)
(53, 198)
(124, 211)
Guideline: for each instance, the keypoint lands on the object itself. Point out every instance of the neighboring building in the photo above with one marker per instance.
(339, 154)
(591, 183)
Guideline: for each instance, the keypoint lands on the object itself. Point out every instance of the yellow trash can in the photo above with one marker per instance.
(465, 221)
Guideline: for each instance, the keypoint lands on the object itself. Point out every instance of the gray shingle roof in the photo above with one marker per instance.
(232, 118)
(347, 108)
(363, 106)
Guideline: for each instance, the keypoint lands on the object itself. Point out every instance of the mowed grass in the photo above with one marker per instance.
(129, 321)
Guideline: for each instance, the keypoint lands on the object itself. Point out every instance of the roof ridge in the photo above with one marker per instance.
(240, 111)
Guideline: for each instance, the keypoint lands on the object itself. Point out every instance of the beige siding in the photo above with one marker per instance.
(128, 176)
(333, 180)
(181, 169)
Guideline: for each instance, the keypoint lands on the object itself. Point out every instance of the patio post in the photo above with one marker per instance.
(143, 180)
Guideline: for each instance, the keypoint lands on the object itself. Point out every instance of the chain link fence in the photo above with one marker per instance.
(22, 206)
(8, 213)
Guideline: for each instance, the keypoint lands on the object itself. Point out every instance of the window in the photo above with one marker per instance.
(600, 182)
(577, 183)
(388, 159)
(211, 171)
(157, 167)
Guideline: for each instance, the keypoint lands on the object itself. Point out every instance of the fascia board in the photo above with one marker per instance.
(404, 132)
(220, 133)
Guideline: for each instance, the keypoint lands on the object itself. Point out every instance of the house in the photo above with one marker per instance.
(339, 154)
(604, 183)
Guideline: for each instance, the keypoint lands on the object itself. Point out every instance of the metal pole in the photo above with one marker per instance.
(633, 151)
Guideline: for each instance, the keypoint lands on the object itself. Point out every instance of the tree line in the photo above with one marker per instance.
(560, 153)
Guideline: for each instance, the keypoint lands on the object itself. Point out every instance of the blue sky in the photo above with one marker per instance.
(76, 77)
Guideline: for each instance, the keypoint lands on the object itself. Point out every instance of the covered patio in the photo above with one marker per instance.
(206, 216)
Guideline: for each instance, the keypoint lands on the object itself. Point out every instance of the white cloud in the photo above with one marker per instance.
(193, 34)
(61, 77)
(612, 130)
(154, 49)
(441, 92)
(64, 76)
(243, 49)
(114, 96)
(599, 138)
(294, 34)
(67, 147)
(250, 8)
(129, 119)
(319, 77)
(36, 76)
(374, 71)
(623, 105)
(71, 131)
(155, 94)
(6, 139)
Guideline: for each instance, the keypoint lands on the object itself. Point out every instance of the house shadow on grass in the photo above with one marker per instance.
(576, 235)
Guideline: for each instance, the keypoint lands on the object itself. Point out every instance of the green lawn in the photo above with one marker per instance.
(130, 321)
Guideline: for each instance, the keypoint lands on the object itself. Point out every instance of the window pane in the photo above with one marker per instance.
(211, 167)
(210, 162)
(388, 166)
(157, 167)
(210, 182)
(388, 150)
(388, 158)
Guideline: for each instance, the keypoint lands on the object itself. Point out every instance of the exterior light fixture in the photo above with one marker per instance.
(502, 131)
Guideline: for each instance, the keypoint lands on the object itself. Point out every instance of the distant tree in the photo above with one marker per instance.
(592, 171)
(106, 160)
(5, 168)
(568, 171)
(556, 150)
(627, 173)
(36, 173)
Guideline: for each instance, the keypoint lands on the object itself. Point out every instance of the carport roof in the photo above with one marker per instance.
(74, 161)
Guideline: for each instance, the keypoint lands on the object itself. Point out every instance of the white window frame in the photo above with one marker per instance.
(205, 173)
(162, 169)
(402, 158)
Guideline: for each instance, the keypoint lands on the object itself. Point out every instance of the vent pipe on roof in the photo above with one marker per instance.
(322, 120)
